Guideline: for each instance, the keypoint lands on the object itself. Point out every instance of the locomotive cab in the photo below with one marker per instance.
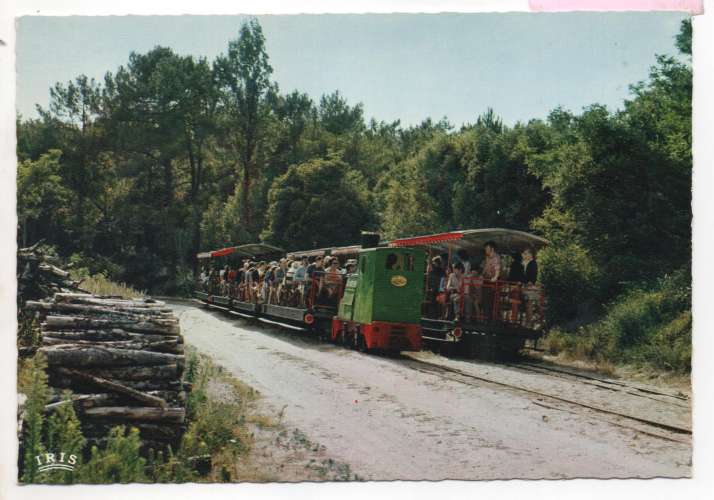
(381, 304)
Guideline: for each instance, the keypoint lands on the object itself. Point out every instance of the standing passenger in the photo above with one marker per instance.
(491, 273)
(531, 292)
(454, 287)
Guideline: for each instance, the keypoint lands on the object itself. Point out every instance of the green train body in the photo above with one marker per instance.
(381, 304)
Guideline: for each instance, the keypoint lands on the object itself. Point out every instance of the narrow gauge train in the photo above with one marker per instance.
(386, 303)
(376, 307)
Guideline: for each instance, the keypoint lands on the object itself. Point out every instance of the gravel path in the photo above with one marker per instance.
(390, 419)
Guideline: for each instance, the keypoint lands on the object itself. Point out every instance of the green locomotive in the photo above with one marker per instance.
(381, 304)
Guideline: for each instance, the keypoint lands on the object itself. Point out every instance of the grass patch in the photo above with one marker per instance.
(98, 284)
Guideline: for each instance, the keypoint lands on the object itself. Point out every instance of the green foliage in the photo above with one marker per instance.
(28, 329)
(64, 435)
(43, 205)
(317, 203)
(32, 382)
(118, 462)
(570, 277)
(684, 37)
(217, 427)
(168, 468)
(648, 325)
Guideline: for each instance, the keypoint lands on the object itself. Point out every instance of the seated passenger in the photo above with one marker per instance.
(350, 266)
(331, 281)
(299, 278)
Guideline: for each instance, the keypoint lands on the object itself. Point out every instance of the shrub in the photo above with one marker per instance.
(32, 382)
(118, 462)
(570, 278)
(64, 435)
(28, 329)
(648, 325)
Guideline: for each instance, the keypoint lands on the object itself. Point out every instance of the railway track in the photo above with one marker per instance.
(679, 400)
(673, 432)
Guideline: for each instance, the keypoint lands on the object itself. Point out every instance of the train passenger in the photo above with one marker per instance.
(213, 281)
(491, 273)
(315, 266)
(472, 294)
(531, 291)
(350, 266)
(243, 278)
(331, 281)
(454, 289)
(299, 278)
(515, 273)
(286, 289)
(203, 279)
(231, 280)
(268, 283)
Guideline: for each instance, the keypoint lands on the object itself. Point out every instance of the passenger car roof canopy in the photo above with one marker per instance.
(248, 250)
(320, 252)
(256, 249)
(507, 240)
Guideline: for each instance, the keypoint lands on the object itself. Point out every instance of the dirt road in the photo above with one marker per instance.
(437, 418)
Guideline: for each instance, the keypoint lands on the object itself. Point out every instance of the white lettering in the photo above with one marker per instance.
(50, 458)
(39, 461)
(72, 459)
(62, 457)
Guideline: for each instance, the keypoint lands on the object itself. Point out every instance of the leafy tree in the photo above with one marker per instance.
(684, 37)
(43, 200)
(317, 203)
(244, 78)
(338, 117)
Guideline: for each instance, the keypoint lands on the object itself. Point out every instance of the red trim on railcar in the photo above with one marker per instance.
(223, 252)
(426, 240)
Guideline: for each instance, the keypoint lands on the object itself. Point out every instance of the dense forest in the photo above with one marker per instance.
(172, 154)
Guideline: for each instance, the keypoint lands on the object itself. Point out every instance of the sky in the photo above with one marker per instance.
(399, 66)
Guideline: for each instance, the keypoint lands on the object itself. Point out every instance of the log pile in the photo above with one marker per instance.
(39, 277)
(123, 360)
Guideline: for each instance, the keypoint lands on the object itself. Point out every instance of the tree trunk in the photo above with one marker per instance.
(64, 382)
(109, 335)
(168, 346)
(125, 312)
(156, 372)
(149, 414)
(115, 386)
(75, 323)
(80, 357)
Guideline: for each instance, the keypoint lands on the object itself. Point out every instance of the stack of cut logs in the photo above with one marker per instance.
(122, 359)
(38, 276)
